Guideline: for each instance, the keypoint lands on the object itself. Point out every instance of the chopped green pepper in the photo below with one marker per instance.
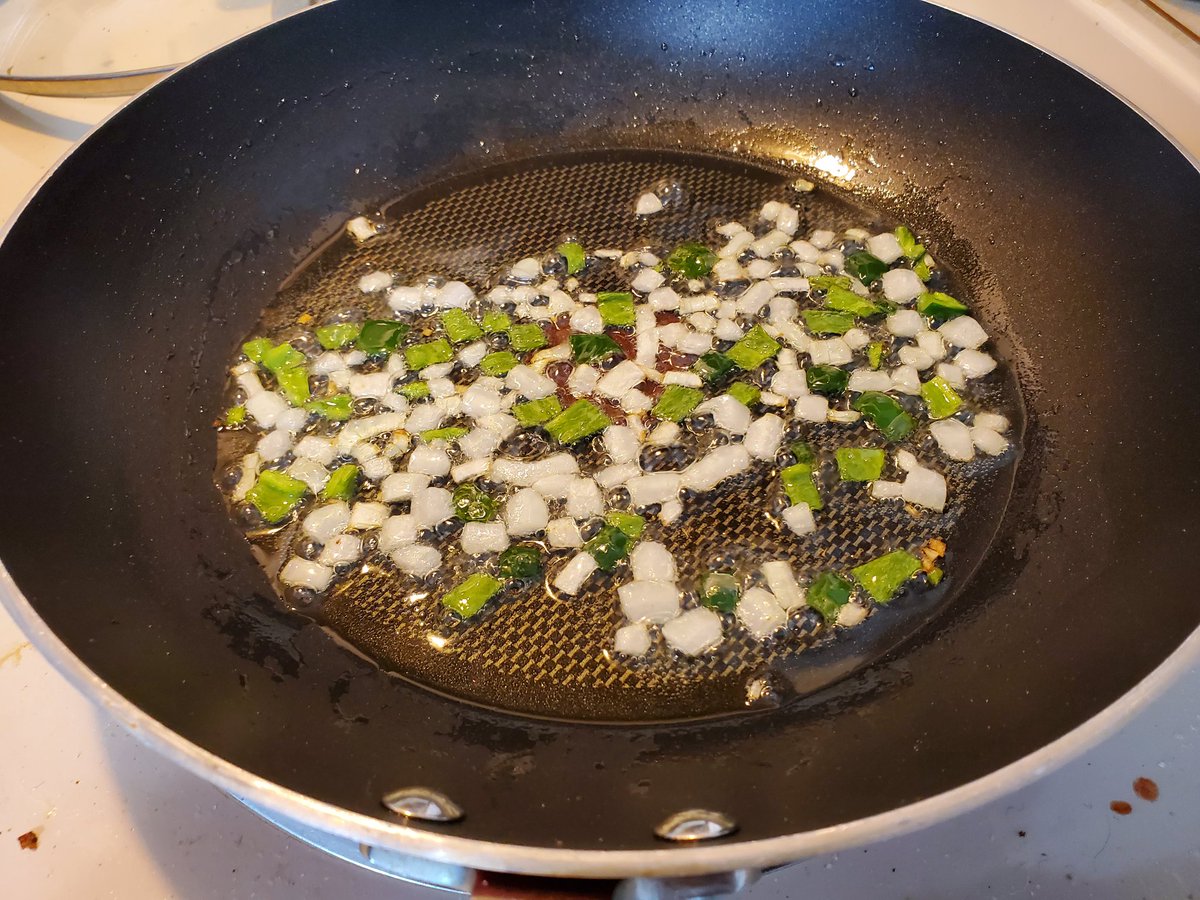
(495, 321)
(859, 463)
(255, 349)
(616, 307)
(940, 306)
(713, 367)
(866, 267)
(631, 524)
(338, 335)
(677, 401)
(430, 353)
(941, 399)
(885, 413)
(293, 382)
(415, 390)
(720, 590)
(498, 363)
(459, 326)
(609, 547)
(691, 260)
(753, 349)
(281, 357)
(577, 421)
(803, 453)
(380, 336)
(847, 301)
(520, 561)
(827, 380)
(235, 416)
(828, 593)
(829, 282)
(449, 433)
(535, 412)
(275, 495)
(470, 596)
(573, 255)
(528, 336)
(473, 504)
(342, 483)
(882, 577)
(935, 576)
(875, 354)
(827, 321)
(799, 486)
(744, 393)
(586, 348)
(908, 243)
(921, 267)
(337, 408)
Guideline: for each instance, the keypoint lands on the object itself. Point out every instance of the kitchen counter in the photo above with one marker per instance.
(112, 819)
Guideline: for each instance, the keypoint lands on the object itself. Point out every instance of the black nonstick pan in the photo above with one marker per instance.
(148, 255)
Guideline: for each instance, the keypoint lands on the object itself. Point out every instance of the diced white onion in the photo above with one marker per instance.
(902, 285)
(584, 499)
(429, 460)
(274, 445)
(952, 375)
(311, 472)
(432, 506)
(468, 471)
(719, 464)
(300, 572)
(402, 486)
(764, 436)
(572, 576)
(647, 280)
(994, 421)
(886, 490)
(915, 357)
(366, 515)
(906, 380)
(649, 601)
(869, 380)
(266, 408)
(620, 379)
(670, 513)
(375, 281)
(480, 401)
(529, 383)
(905, 323)
(833, 352)
(315, 448)
(812, 408)
(483, 537)
(526, 513)
(884, 247)
(851, 614)
(925, 487)
(418, 560)
(325, 521)
(782, 582)
(341, 549)
(249, 475)
(648, 204)
(396, 531)
(974, 363)
(799, 519)
(954, 439)
(993, 443)
(665, 434)
(652, 561)
(632, 640)
(964, 332)
(563, 532)
(693, 632)
(931, 342)
(653, 487)
(361, 229)
(760, 613)
(377, 469)
(728, 413)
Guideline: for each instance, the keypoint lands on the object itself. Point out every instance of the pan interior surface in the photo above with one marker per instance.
(549, 655)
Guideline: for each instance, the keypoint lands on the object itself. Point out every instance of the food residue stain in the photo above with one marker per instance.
(1120, 807)
(1146, 788)
(15, 653)
(28, 841)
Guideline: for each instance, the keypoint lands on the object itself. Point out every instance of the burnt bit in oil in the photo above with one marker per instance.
(1120, 807)
(28, 840)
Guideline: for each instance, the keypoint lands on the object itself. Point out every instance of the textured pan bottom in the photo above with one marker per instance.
(549, 657)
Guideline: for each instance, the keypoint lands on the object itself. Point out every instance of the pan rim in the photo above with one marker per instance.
(515, 858)
(566, 862)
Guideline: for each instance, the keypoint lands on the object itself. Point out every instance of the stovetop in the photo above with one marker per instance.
(112, 819)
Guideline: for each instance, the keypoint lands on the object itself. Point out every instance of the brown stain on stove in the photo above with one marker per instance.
(15, 653)
(1120, 807)
(1146, 788)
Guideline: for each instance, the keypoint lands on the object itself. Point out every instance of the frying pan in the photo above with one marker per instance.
(136, 268)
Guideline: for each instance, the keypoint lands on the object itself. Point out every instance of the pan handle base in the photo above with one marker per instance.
(463, 881)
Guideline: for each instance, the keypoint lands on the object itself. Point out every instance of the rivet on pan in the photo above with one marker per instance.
(695, 825)
(423, 803)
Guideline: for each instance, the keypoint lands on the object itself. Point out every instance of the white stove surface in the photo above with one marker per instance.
(115, 820)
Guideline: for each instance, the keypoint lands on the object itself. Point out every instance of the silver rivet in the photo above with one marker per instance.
(423, 803)
(695, 825)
